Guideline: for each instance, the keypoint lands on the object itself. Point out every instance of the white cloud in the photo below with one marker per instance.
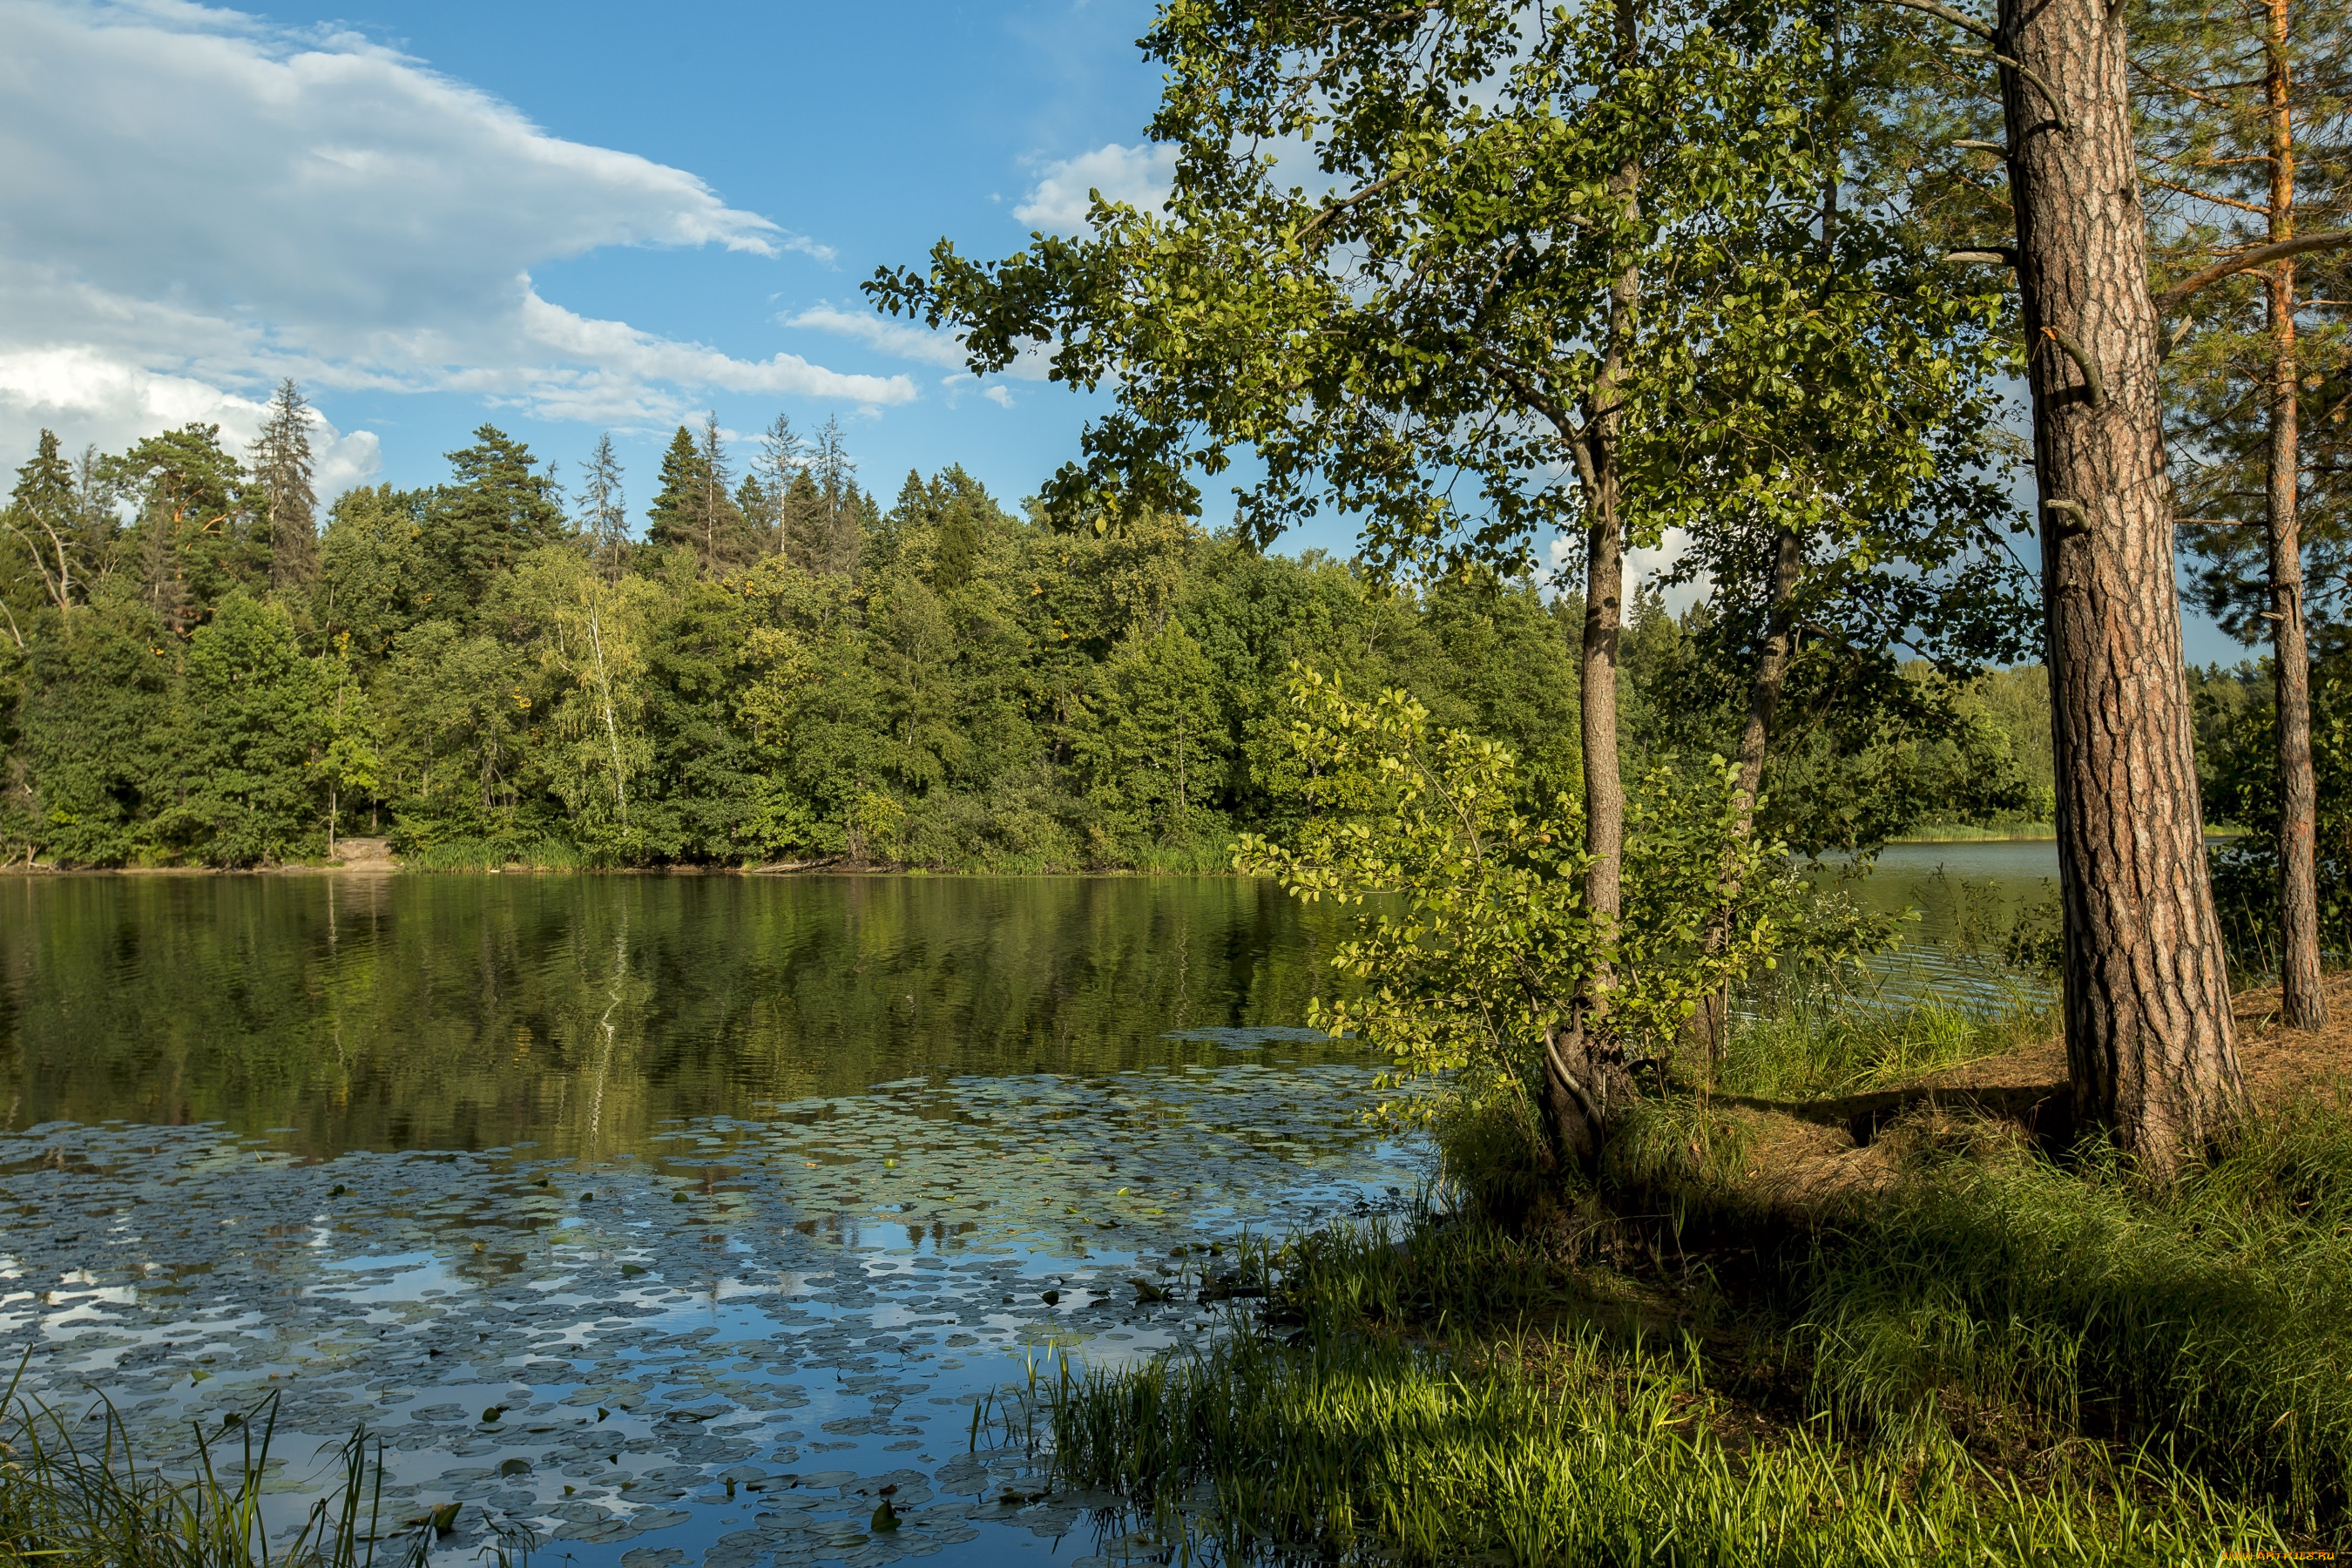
(899, 340)
(1000, 395)
(1642, 568)
(903, 340)
(1058, 203)
(195, 202)
(109, 404)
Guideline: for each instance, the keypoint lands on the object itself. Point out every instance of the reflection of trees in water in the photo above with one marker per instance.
(584, 1011)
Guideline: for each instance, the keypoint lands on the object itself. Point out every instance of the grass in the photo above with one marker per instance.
(493, 854)
(70, 1498)
(1400, 1411)
(1822, 1039)
(2019, 1300)
(1997, 1356)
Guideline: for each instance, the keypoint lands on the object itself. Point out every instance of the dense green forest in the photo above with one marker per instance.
(778, 667)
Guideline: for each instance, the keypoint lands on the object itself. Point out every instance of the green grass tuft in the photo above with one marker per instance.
(73, 1498)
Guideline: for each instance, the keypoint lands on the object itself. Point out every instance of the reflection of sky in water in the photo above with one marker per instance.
(808, 1305)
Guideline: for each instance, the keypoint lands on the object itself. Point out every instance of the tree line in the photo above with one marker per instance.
(775, 667)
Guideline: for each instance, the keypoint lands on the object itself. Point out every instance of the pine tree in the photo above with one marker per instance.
(2245, 110)
(194, 538)
(282, 471)
(494, 511)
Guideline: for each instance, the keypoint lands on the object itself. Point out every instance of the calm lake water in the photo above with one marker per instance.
(676, 1217)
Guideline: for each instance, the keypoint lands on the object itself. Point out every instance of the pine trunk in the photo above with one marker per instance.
(2301, 1006)
(2148, 1034)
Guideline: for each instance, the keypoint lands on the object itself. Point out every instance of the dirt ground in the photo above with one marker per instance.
(1807, 1155)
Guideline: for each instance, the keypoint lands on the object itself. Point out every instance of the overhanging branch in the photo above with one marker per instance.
(2172, 299)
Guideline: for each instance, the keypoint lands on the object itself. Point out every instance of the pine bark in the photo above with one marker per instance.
(2302, 1006)
(2150, 1048)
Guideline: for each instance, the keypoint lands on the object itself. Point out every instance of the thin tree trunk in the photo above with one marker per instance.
(2149, 1040)
(1583, 1067)
(2301, 1003)
(1763, 702)
(612, 725)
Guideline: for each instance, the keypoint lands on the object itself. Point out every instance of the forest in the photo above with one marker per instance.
(775, 667)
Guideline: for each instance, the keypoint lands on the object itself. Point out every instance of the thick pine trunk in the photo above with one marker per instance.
(2148, 1036)
(2300, 1005)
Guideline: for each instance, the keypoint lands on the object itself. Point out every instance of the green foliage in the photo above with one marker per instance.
(2241, 757)
(494, 511)
(251, 733)
(1474, 938)
(97, 710)
(947, 685)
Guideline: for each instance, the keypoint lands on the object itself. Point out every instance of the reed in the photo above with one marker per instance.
(71, 1497)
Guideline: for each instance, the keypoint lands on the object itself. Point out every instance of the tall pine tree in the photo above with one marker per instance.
(2245, 109)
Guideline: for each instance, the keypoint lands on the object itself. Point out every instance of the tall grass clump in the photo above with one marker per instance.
(1340, 1442)
(540, 854)
(2214, 1317)
(1831, 1036)
(71, 1498)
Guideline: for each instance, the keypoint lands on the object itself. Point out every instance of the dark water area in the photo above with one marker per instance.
(579, 1012)
(672, 1218)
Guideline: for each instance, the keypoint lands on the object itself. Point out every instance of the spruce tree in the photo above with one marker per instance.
(287, 505)
(670, 519)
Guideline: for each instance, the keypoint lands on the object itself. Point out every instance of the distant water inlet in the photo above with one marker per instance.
(678, 1220)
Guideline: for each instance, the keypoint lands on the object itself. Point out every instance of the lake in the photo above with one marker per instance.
(676, 1216)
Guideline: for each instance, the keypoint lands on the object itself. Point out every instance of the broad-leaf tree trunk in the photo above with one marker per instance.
(1583, 1069)
(1755, 734)
(2149, 1035)
(2301, 1003)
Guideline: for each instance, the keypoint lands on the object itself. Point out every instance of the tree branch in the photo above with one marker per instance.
(2049, 94)
(2172, 299)
(1990, 255)
(2066, 339)
(1335, 208)
(1944, 13)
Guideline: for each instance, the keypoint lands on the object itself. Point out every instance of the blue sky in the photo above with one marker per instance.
(562, 219)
